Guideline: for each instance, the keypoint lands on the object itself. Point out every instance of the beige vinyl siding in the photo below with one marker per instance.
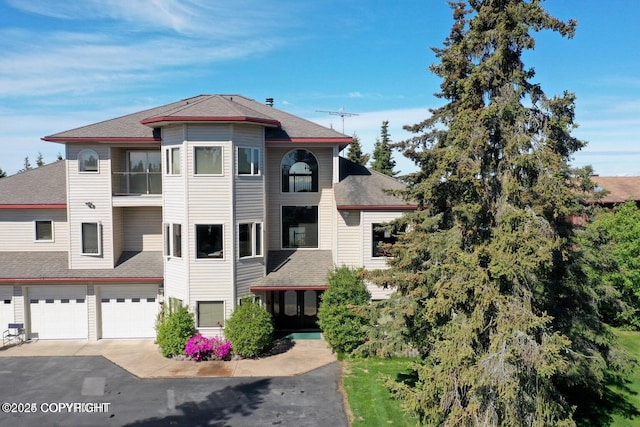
(94, 188)
(17, 230)
(324, 198)
(248, 270)
(118, 232)
(142, 229)
(210, 201)
(209, 132)
(249, 190)
(349, 239)
(19, 304)
(369, 218)
(174, 210)
(92, 311)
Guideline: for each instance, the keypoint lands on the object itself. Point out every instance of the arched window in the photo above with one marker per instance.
(299, 172)
(88, 161)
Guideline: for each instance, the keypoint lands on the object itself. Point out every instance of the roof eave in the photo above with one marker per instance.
(34, 206)
(52, 280)
(377, 207)
(165, 120)
(104, 139)
(303, 140)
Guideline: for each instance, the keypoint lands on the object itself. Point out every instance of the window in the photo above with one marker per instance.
(248, 161)
(210, 314)
(44, 231)
(299, 226)
(91, 241)
(380, 237)
(173, 161)
(209, 241)
(250, 240)
(173, 240)
(299, 172)
(88, 161)
(208, 160)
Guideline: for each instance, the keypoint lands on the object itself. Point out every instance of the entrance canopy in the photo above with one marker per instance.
(296, 270)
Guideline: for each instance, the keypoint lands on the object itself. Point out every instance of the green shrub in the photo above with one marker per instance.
(338, 317)
(174, 327)
(250, 329)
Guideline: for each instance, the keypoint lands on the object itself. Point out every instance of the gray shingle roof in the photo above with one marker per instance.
(362, 188)
(620, 188)
(55, 265)
(45, 185)
(296, 269)
(202, 106)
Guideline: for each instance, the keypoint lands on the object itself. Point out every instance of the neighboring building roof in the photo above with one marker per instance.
(138, 127)
(54, 267)
(620, 188)
(42, 187)
(363, 189)
(295, 269)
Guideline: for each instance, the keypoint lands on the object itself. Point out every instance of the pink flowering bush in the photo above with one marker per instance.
(202, 348)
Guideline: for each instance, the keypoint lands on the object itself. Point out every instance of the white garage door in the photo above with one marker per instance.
(58, 312)
(6, 307)
(129, 311)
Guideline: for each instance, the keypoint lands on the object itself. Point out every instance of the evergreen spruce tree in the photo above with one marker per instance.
(503, 312)
(2, 173)
(382, 155)
(27, 165)
(355, 152)
(40, 160)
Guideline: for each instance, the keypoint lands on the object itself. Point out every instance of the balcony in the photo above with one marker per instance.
(137, 188)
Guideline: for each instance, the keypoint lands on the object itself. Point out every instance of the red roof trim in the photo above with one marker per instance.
(173, 119)
(99, 139)
(86, 279)
(50, 206)
(288, 288)
(332, 140)
(377, 208)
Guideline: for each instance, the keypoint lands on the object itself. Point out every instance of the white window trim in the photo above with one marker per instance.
(99, 232)
(195, 147)
(195, 243)
(254, 234)
(224, 311)
(35, 231)
(97, 171)
(169, 242)
(299, 192)
(282, 248)
(168, 159)
(252, 149)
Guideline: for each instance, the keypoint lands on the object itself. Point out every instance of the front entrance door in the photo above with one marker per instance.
(295, 309)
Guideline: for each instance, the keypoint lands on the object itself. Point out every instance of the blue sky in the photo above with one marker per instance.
(70, 63)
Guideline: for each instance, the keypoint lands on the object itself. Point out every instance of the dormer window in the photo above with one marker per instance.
(299, 172)
(88, 161)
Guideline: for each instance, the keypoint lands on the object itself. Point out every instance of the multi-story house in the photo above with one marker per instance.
(204, 200)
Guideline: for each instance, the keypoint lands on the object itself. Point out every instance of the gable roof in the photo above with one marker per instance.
(363, 189)
(42, 187)
(139, 127)
(620, 188)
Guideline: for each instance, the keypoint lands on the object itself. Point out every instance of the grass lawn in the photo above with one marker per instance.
(630, 341)
(370, 402)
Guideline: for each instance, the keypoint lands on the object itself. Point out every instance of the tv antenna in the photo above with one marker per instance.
(340, 113)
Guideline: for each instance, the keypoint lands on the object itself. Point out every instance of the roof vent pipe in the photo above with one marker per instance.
(269, 102)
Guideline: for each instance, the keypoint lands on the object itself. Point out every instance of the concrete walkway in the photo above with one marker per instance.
(142, 358)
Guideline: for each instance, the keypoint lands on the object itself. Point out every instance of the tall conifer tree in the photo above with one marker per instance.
(502, 311)
(382, 153)
(355, 152)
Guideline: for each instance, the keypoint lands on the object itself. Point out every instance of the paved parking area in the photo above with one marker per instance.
(58, 391)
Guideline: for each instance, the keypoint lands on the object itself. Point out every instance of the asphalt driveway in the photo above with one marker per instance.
(61, 391)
